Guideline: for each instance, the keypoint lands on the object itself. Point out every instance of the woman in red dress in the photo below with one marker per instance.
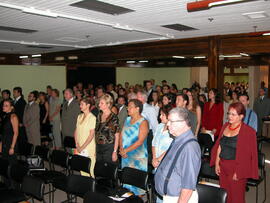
(212, 118)
(235, 154)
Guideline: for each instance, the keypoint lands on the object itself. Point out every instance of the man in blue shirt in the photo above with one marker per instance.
(180, 185)
(251, 117)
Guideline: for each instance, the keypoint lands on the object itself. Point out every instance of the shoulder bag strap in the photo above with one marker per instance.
(173, 164)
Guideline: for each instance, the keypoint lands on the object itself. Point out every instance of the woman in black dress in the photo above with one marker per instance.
(44, 119)
(10, 131)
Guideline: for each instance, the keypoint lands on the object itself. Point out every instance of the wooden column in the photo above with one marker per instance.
(269, 78)
(215, 72)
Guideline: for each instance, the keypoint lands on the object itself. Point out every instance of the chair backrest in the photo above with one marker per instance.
(17, 171)
(80, 185)
(135, 177)
(4, 166)
(26, 149)
(211, 194)
(69, 142)
(79, 163)
(59, 158)
(43, 152)
(33, 186)
(106, 170)
(207, 172)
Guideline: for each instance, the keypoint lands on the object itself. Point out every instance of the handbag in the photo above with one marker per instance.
(35, 162)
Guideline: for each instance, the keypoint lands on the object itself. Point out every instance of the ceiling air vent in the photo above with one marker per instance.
(179, 27)
(14, 29)
(102, 7)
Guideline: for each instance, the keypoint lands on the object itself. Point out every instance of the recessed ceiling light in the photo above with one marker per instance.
(230, 56)
(199, 57)
(36, 55)
(143, 61)
(130, 61)
(255, 15)
(23, 57)
(244, 54)
(179, 57)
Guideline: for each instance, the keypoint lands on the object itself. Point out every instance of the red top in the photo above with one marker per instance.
(212, 118)
(246, 152)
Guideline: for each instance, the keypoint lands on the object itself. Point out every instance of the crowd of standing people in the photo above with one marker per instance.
(143, 127)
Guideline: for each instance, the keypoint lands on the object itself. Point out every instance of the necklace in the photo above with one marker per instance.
(232, 129)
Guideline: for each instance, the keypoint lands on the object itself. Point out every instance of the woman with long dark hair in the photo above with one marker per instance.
(10, 131)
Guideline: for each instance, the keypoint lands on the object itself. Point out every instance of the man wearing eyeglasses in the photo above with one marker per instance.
(177, 174)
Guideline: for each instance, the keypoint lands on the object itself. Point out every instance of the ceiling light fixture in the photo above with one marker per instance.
(266, 34)
(122, 27)
(199, 57)
(34, 11)
(130, 62)
(179, 57)
(244, 54)
(230, 56)
(23, 57)
(36, 55)
(143, 61)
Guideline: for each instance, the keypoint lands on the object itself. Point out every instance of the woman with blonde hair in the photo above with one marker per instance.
(107, 131)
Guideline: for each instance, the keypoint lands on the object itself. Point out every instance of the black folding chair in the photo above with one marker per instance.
(211, 194)
(32, 188)
(106, 175)
(207, 172)
(262, 176)
(76, 185)
(137, 178)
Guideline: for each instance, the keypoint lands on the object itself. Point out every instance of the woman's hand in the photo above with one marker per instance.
(217, 169)
(214, 131)
(114, 157)
(235, 177)
(79, 149)
(11, 151)
(155, 162)
(123, 153)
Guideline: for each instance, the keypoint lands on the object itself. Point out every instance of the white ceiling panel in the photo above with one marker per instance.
(142, 24)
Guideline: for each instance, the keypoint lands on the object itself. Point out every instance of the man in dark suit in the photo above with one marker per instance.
(19, 105)
(70, 112)
(122, 111)
(262, 109)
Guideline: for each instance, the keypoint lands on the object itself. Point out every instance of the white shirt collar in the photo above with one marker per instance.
(30, 103)
(70, 101)
(18, 98)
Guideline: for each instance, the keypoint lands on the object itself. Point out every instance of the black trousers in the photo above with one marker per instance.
(104, 153)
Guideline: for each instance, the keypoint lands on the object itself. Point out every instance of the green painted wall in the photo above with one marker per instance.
(236, 79)
(179, 76)
(32, 77)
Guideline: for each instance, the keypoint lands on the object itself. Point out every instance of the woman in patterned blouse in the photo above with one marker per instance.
(107, 131)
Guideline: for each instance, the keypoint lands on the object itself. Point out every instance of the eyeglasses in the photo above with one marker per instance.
(232, 114)
(170, 121)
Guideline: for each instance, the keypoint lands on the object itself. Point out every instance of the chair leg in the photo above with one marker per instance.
(257, 194)
(264, 188)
